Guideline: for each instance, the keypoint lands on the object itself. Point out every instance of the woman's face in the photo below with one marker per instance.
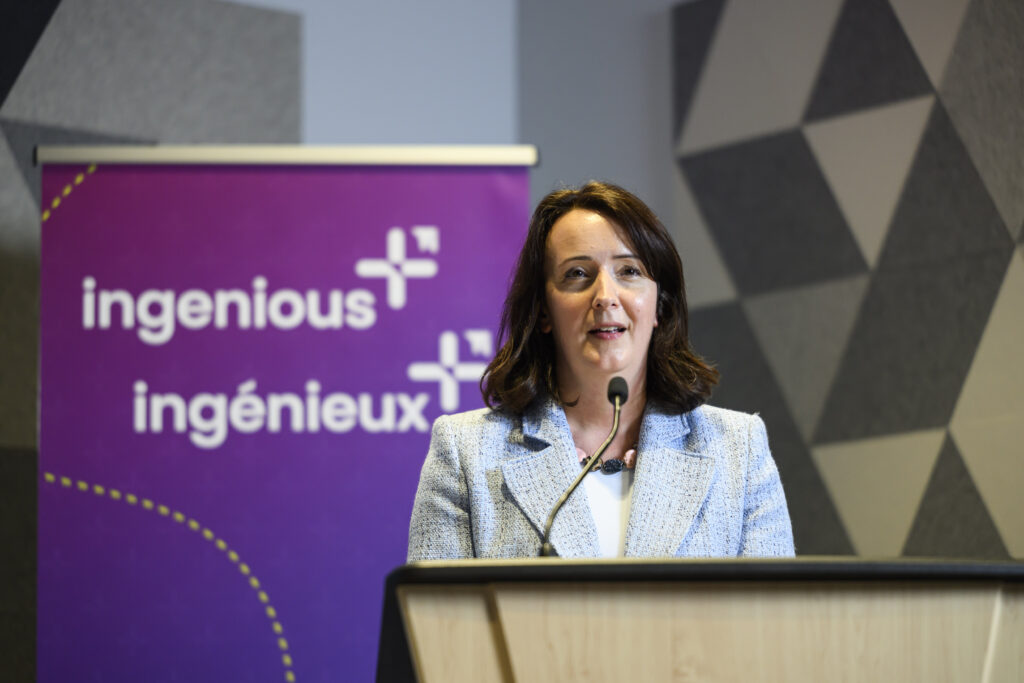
(600, 302)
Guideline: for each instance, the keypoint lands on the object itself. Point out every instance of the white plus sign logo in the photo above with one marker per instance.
(396, 267)
(448, 371)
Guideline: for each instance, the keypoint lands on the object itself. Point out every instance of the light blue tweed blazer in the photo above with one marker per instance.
(705, 486)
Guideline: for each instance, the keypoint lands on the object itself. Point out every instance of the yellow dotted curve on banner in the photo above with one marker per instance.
(206, 533)
(62, 195)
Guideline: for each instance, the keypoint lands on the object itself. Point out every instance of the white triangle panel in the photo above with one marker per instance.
(759, 72)
(989, 413)
(877, 485)
(865, 157)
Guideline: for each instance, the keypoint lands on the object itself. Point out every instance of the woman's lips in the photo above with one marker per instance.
(607, 332)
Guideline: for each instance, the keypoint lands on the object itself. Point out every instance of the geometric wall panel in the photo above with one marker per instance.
(772, 214)
(911, 347)
(992, 453)
(759, 72)
(693, 26)
(952, 520)
(803, 333)
(932, 27)
(859, 167)
(707, 280)
(865, 157)
(877, 486)
(983, 90)
(23, 24)
(946, 210)
(187, 71)
(724, 336)
(869, 62)
(995, 383)
(989, 412)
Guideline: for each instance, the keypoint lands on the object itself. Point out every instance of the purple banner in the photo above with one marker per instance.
(239, 368)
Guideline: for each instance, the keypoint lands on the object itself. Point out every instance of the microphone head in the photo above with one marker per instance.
(618, 387)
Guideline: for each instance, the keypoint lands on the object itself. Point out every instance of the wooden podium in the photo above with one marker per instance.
(704, 620)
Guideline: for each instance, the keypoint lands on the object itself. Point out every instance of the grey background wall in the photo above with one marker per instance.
(842, 179)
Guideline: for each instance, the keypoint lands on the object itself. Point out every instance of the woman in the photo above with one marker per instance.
(598, 292)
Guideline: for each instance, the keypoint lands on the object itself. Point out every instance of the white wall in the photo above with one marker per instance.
(406, 72)
(596, 94)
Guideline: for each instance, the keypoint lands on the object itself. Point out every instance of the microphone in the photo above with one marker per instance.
(618, 392)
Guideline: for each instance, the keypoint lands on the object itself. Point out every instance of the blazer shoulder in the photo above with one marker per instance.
(476, 421)
(474, 434)
(712, 418)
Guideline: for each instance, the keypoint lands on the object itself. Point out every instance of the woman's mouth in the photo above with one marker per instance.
(607, 331)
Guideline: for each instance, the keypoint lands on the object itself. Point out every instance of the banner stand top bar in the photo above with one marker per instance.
(356, 155)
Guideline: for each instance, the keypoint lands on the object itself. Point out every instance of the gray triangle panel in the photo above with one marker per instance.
(772, 214)
(693, 30)
(802, 333)
(24, 137)
(723, 335)
(869, 62)
(911, 347)
(945, 210)
(952, 520)
(23, 23)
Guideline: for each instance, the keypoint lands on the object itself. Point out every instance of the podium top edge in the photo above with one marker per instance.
(348, 155)
(670, 570)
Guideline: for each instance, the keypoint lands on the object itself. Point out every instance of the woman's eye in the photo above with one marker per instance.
(575, 273)
(632, 271)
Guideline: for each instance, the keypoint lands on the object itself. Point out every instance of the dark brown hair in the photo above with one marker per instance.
(523, 368)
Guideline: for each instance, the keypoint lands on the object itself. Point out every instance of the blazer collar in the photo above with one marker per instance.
(540, 470)
(672, 479)
(671, 482)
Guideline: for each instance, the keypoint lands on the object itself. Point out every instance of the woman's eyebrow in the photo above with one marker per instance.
(583, 257)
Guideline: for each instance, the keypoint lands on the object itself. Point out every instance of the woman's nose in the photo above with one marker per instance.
(606, 293)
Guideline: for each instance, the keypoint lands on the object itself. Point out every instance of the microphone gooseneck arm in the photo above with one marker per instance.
(617, 393)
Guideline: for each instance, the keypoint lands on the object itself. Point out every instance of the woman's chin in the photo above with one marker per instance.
(609, 366)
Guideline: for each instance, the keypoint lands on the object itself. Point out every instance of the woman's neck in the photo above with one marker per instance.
(590, 419)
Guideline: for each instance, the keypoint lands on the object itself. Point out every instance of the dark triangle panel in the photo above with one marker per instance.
(693, 30)
(952, 520)
(772, 214)
(23, 23)
(723, 335)
(23, 138)
(945, 210)
(911, 347)
(869, 62)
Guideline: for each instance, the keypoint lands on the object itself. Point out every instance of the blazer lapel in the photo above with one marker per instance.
(669, 487)
(540, 471)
